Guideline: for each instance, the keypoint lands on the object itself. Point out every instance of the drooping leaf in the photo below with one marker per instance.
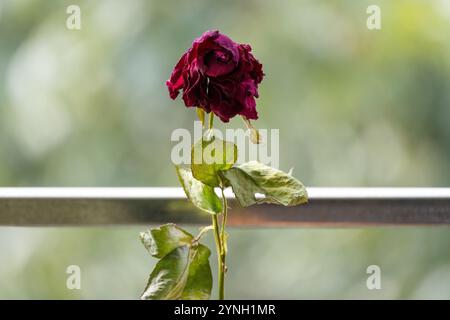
(169, 276)
(255, 136)
(208, 157)
(275, 186)
(161, 241)
(184, 273)
(243, 186)
(199, 282)
(201, 195)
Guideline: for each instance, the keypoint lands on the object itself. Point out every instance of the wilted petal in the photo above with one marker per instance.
(175, 82)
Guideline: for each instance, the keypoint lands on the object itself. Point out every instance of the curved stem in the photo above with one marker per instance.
(202, 232)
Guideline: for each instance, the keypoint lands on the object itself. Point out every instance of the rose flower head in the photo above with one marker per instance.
(219, 76)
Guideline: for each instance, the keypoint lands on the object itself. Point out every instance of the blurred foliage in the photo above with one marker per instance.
(354, 108)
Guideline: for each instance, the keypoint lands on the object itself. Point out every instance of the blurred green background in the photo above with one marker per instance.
(354, 107)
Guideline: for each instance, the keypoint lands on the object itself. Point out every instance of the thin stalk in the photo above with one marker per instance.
(211, 120)
(223, 239)
(224, 218)
(220, 262)
(219, 236)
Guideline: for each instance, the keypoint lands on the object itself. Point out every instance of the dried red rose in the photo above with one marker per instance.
(218, 75)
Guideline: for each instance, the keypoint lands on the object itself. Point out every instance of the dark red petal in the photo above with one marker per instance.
(175, 82)
(216, 54)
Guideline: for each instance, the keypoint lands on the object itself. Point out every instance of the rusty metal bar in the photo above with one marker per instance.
(328, 207)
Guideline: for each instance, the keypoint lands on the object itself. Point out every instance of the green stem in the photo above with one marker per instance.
(223, 239)
(224, 218)
(219, 235)
(220, 261)
(211, 120)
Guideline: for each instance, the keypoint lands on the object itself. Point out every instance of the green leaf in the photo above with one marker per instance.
(199, 282)
(276, 186)
(169, 276)
(201, 195)
(161, 241)
(184, 273)
(208, 157)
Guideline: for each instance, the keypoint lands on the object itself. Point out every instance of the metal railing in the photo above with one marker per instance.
(334, 207)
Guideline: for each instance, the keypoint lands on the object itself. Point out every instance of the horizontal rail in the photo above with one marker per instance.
(340, 207)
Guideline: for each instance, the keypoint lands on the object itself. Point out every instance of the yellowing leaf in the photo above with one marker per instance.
(275, 186)
(208, 157)
(200, 194)
(161, 241)
(184, 273)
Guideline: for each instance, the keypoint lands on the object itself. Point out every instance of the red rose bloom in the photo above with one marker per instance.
(218, 75)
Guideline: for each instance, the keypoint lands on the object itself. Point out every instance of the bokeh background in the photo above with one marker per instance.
(354, 107)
